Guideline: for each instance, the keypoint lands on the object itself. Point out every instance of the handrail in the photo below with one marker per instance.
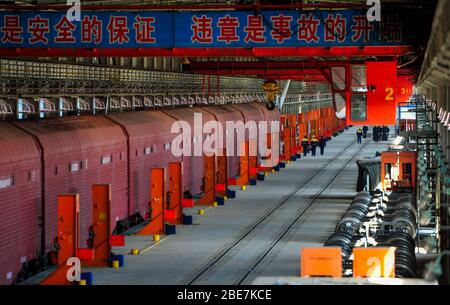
(83, 105)
(98, 104)
(26, 107)
(5, 108)
(66, 105)
(48, 106)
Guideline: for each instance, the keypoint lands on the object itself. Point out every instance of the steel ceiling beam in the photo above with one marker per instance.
(272, 71)
(305, 78)
(263, 67)
(353, 51)
(276, 69)
(192, 7)
(285, 64)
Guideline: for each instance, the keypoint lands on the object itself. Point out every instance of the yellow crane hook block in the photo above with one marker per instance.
(271, 88)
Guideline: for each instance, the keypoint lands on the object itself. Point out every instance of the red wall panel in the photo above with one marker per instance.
(404, 89)
(381, 99)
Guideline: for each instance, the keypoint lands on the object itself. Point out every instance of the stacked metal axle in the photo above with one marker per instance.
(376, 220)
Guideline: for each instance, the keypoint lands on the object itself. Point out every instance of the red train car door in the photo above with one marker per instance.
(157, 202)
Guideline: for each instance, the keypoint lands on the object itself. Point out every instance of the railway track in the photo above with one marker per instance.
(224, 255)
(284, 236)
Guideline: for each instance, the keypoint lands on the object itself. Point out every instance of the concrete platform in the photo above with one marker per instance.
(179, 258)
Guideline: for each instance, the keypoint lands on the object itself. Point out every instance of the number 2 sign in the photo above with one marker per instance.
(389, 94)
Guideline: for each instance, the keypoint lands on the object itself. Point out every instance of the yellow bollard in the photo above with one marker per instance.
(135, 251)
(156, 238)
(244, 187)
(82, 283)
(266, 174)
(273, 171)
(225, 198)
(201, 212)
(215, 204)
(115, 264)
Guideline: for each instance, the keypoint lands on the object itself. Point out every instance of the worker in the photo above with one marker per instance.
(365, 130)
(383, 133)
(386, 133)
(305, 145)
(375, 133)
(359, 134)
(314, 143)
(322, 144)
(380, 133)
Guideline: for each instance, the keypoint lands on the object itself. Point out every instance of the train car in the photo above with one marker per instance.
(269, 115)
(20, 201)
(78, 152)
(250, 112)
(149, 143)
(263, 115)
(224, 113)
(192, 165)
(43, 158)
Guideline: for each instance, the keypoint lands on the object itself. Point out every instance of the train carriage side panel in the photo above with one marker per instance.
(149, 139)
(269, 116)
(192, 165)
(20, 200)
(253, 112)
(79, 152)
(224, 113)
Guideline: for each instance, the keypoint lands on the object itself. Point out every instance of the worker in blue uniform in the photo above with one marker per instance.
(365, 130)
(383, 135)
(375, 131)
(386, 133)
(314, 143)
(359, 135)
(322, 144)
(305, 145)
